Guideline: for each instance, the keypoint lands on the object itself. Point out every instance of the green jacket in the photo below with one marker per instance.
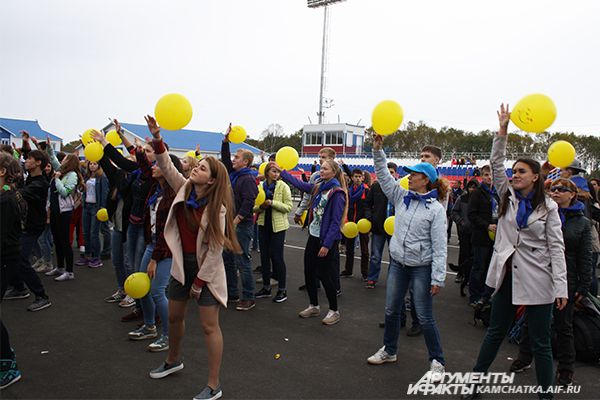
(280, 208)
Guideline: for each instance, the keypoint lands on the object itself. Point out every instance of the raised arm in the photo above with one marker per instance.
(113, 154)
(225, 151)
(53, 160)
(297, 183)
(390, 187)
(173, 177)
(499, 177)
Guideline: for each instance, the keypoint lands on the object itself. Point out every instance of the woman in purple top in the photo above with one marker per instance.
(328, 209)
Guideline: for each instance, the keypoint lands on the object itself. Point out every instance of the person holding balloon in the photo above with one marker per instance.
(198, 229)
(418, 251)
(528, 265)
(94, 198)
(272, 224)
(328, 209)
(63, 187)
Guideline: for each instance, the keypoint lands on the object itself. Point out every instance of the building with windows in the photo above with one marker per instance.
(10, 132)
(343, 138)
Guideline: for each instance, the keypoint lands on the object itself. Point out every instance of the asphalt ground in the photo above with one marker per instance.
(78, 348)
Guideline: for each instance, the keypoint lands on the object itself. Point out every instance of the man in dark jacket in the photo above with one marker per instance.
(483, 216)
(377, 209)
(459, 215)
(357, 194)
(35, 193)
(243, 182)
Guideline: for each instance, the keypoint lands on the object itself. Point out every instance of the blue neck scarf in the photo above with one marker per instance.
(419, 197)
(357, 192)
(492, 193)
(577, 206)
(269, 189)
(234, 175)
(157, 193)
(323, 187)
(525, 209)
(195, 203)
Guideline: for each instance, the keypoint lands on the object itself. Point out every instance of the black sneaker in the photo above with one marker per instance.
(16, 294)
(233, 299)
(564, 377)
(280, 297)
(346, 274)
(258, 269)
(338, 292)
(519, 366)
(303, 287)
(263, 293)
(414, 330)
(39, 304)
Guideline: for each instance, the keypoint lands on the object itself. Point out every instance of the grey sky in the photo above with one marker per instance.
(72, 63)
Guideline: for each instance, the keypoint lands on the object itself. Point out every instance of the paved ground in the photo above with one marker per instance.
(78, 348)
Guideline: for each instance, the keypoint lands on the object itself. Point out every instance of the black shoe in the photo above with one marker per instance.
(39, 304)
(346, 274)
(263, 293)
(483, 304)
(338, 292)
(564, 377)
(16, 294)
(519, 366)
(414, 330)
(233, 299)
(382, 324)
(473, 395)
(303, 287)
(280, 297)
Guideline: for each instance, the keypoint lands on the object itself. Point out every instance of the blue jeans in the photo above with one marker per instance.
(135, 247)
(119, 258)
(377, 245)
(106, 239)
(45, 242)
(255, 240)
(91, 230)
(400, 278)
(234, 262)
(157, 298)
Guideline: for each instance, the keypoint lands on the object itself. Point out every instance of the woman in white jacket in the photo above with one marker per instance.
(418, 254)
(528, 265)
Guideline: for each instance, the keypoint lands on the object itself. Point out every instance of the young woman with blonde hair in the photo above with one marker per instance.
(199, 227)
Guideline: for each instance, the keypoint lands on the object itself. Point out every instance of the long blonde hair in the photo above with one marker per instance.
(217, 194)
(339, 175)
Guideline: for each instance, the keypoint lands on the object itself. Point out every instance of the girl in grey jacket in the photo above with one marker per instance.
(418, 250)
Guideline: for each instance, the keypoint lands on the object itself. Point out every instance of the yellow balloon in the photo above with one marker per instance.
(287, 157)
(388, 225)
(303, 217)
(114, 138)
(261, 197)
(404, 182)
(102, 215)
(137, 285)
(387, 117)
(94, 152)
(492, 235)
(87, 138)
(261, 168)
(561, 154)
(364, 225)
(350, 230)
(190, 153)
(237, 134)
(534, 113)
(173, 111)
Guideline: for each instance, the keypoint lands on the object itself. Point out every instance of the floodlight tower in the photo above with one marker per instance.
(323, 4)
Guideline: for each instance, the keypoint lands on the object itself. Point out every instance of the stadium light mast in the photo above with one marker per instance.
(323, 4)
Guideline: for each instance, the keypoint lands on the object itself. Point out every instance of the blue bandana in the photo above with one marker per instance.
(195, 203)
(419, 197)
(323, 187)
(577, 206)
(525, 208)
(234, 175)
(269, 189)
(157, 193)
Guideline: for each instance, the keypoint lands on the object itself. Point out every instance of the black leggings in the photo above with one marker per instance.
(59, 225)
(320, 268)
(9, 268)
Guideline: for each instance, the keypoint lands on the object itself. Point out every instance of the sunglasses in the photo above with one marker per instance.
(562, 189)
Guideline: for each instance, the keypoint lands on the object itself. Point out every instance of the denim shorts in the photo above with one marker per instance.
(180, 292)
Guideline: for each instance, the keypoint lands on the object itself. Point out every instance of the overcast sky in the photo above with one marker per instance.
(72, 63)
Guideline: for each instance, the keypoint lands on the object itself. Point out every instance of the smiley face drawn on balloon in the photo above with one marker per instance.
(526, 115)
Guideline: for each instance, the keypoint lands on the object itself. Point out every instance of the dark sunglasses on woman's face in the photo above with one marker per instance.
(562, 189)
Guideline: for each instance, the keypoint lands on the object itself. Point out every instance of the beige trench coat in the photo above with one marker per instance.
(538, 260)
(210, 258)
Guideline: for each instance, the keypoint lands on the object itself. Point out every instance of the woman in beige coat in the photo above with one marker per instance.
(197, 230)
(528, 265)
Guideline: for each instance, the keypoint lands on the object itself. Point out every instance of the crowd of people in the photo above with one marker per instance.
(190, 224)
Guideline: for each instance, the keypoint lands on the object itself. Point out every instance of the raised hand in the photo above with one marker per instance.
(503, 119)
(25, 135)
(377, 141)
(99, 136)
(226, 139)
(153, 127)
(118, 127)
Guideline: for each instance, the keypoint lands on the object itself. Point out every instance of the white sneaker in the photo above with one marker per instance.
(127, 302)
(55, 271)
(332, 317)
(65, 276)
(437, 371)
(310, 311)
(37, 264)
(82, 249)
(381, 356)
